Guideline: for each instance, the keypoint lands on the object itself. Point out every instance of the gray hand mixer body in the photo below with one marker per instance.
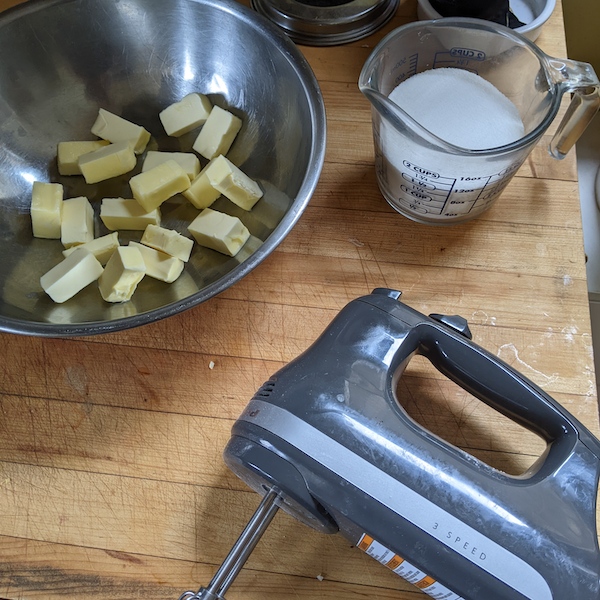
(327, 433)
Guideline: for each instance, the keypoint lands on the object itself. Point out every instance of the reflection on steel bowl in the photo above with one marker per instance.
(134, 58)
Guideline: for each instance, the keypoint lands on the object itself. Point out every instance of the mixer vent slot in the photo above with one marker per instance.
(266, 389)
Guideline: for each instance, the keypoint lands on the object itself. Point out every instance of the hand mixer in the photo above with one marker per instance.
(326, 440)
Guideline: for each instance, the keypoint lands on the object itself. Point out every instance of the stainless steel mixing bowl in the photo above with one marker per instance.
(62, 60)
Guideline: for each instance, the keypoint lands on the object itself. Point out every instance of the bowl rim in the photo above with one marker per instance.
(547, 11)
(316, 105)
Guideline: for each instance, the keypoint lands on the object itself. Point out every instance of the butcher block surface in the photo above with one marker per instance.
(112, 483)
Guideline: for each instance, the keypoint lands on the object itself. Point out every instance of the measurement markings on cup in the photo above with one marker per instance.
(459, 57)
(405, 68)
(425, 188)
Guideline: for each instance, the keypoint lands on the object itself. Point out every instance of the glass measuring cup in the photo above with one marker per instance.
(433, 181)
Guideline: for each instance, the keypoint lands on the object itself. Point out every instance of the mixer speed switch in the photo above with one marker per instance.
(456, 322)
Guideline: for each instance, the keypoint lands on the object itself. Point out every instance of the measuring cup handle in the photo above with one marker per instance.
(580, 79)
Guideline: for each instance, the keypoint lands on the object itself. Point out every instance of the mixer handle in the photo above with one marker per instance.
(494, 382)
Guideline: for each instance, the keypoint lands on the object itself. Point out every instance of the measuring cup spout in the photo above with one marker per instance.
(580, 79)
(383, 105)
(403, 123)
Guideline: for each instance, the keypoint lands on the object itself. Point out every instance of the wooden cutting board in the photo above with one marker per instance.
(111, 478)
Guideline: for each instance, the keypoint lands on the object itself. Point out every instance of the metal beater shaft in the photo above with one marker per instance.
(240, 552)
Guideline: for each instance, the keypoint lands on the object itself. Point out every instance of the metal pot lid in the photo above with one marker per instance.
(327, 22)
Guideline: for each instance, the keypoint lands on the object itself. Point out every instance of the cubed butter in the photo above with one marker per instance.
(186, 160)
(187, 114)
(217, 134)
(71, 275)
(115, 129)
(68, 153)
(168, 241)
(201, 193)
(102, 248)
(110, 161)
(46, 209)
(77, 225)
(162, 182)
(123, 272)
(219, 231)
(233, 183)
(126, 213)
(158, 264)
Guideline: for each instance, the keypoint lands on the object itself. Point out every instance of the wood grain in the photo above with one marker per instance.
(112, 484)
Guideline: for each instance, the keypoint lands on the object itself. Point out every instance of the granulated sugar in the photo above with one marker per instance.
(430, 182)
(460, 107)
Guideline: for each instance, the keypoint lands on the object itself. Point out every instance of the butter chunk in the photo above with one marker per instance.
(221, 232)
(115, 129)
(158, 264)
(123, 272)
(102, 248)
(110, 161)
(126, 213)
(217, 134)
(77, 226)
(187, 114)
(162, 182)
(169, 241)
(186, 160)
(68, 153)
(46, 209)
(233, 183)
(201, 193)
(71, 275)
